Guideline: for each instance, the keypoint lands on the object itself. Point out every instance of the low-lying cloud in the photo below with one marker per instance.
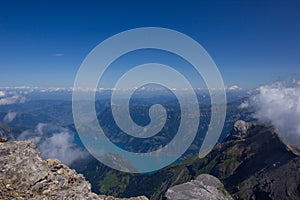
(55, 142)
(279, 104)
(9, 117)
(7, 99)
(2, 94)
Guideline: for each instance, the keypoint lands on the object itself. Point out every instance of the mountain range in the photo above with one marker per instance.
(252, 163)
(250, 160)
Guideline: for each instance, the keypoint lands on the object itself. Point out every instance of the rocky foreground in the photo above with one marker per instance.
(24, 175)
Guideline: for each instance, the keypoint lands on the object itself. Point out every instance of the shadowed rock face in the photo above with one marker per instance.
(203, 187)
(24, 175)
(254, 163)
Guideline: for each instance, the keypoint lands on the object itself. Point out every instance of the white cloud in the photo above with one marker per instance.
(10, 116)
(61, 146)
(13, 99)
(2, 93)
(279, 104)
(54, 142)
(244, 105)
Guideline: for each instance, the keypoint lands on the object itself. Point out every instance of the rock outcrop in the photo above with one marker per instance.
(254, 163)
(240, 130)
(203, 187)
(24, 175)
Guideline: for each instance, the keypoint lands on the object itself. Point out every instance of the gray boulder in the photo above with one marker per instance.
(205, 187)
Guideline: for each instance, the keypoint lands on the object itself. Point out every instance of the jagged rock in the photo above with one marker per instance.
(24, 175)
(240, 130)
(241, 126)
(203, 187)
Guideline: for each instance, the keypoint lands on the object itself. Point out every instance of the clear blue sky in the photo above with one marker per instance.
(42, 43)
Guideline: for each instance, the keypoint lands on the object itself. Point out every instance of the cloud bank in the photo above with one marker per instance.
(11, 98)
(55, 142)
(279, 104)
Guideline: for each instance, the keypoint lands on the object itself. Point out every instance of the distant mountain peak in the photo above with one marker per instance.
(234, 88)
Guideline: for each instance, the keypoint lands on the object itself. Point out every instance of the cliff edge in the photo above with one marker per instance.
(24, 175)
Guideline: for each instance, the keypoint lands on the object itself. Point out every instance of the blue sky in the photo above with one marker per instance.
(42, 43)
